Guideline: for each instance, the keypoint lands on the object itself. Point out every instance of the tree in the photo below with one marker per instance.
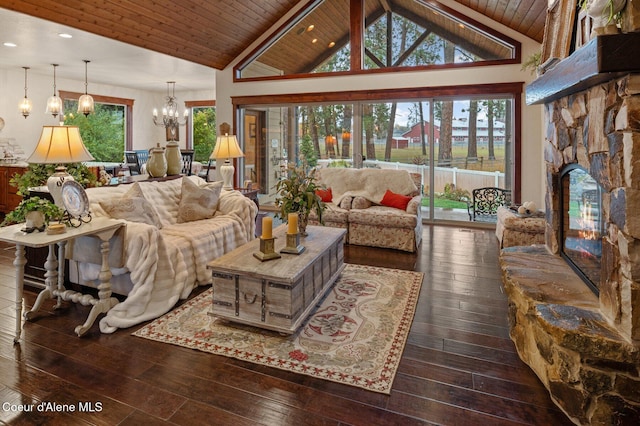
(472, 144)
(495, 109)
(346, 130)
(392, 116)
(367, 123)
(204, 133)
(313, 127)
(307, 151)
(446, 123)
(416, 116)
(102, 132)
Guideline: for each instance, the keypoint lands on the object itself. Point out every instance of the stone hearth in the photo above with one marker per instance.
(586, 348)
(590, 370)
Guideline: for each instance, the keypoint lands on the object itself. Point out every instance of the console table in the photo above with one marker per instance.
(100, 227)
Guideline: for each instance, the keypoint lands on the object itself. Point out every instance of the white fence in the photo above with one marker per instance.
(461, 178)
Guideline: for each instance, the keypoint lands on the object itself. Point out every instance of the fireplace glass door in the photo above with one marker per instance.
(582, 224)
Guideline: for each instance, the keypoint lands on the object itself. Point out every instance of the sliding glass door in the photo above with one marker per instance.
(449, 145)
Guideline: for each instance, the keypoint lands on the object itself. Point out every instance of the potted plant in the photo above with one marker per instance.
(605, 14)
(532, 63)
(36, 212)
(37, 175)
(297, 194)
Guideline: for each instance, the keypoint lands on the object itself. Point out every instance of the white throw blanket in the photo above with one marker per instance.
(158, 277)
(166, 264)
(368, 183)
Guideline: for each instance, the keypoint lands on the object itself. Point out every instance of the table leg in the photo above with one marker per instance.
(51, 280)
(105, 301)
(61, 249)
(19, 263)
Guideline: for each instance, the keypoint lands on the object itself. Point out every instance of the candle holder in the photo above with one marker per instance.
(267, 250)
(293, 244)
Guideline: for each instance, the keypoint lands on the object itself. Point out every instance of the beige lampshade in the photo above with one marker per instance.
(60, 145)
(226, 147)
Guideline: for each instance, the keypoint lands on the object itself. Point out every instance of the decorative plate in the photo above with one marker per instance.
(75, 199)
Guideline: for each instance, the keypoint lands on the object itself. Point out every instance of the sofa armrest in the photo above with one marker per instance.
(415, 206)
(360, 203)
(234, 203)
(346, 202)
(87, 249)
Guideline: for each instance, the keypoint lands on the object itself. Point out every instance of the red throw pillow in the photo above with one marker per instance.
(399, 201)
(325, 195)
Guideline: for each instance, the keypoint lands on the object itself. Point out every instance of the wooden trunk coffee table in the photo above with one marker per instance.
(277, 294)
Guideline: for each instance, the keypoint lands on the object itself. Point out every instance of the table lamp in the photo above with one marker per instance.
(59, 145)
(226, 148)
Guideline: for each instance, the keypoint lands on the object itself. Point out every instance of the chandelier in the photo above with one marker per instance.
(85, 103)
(54, 103)
(170, 115)
(26, 105)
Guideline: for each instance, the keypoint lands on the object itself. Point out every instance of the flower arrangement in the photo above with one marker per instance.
(18, 215)
(297, 194)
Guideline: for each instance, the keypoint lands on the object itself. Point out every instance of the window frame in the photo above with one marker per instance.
(207, 103)
(357, 28)
(128, 114)
(514, 90)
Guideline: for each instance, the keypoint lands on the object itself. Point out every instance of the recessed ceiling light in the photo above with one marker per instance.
(9, 44)
(310, 27)
(315, 40)
(65, 35)
(333, 43)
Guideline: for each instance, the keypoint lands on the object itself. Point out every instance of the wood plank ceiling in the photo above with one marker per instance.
(214, 32)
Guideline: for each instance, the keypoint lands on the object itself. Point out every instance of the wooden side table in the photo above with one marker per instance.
(101, 227)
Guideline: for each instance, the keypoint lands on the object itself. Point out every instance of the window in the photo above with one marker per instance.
(329, 37)
(203, 129)
(419, 34)
(454, 145)
(107, 132)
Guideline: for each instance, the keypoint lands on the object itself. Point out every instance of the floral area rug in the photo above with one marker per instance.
(356, 335)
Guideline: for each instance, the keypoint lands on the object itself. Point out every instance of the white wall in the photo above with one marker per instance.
(532, 136)
(27, 131)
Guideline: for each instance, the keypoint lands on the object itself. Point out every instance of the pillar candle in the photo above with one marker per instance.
(293, 223)
(267, 226)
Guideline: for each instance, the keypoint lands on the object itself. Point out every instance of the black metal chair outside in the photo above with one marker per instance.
(485, 202)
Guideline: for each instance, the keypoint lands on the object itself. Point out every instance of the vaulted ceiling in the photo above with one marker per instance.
(214, 32)
(142, 44)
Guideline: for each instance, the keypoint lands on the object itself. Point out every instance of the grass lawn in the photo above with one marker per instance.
(444, 203)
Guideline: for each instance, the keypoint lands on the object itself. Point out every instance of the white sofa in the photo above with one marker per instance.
(174, 228)
(357, 204)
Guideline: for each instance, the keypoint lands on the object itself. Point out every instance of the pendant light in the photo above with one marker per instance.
(54, 103)
(85, 103)
(26, 104)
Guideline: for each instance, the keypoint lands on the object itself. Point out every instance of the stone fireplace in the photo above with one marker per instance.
(574, 303)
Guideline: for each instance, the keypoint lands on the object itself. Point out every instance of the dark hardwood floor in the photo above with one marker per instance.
(458, 368)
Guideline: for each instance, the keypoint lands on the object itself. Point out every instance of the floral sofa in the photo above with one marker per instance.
(377, 207)
(173, 229)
